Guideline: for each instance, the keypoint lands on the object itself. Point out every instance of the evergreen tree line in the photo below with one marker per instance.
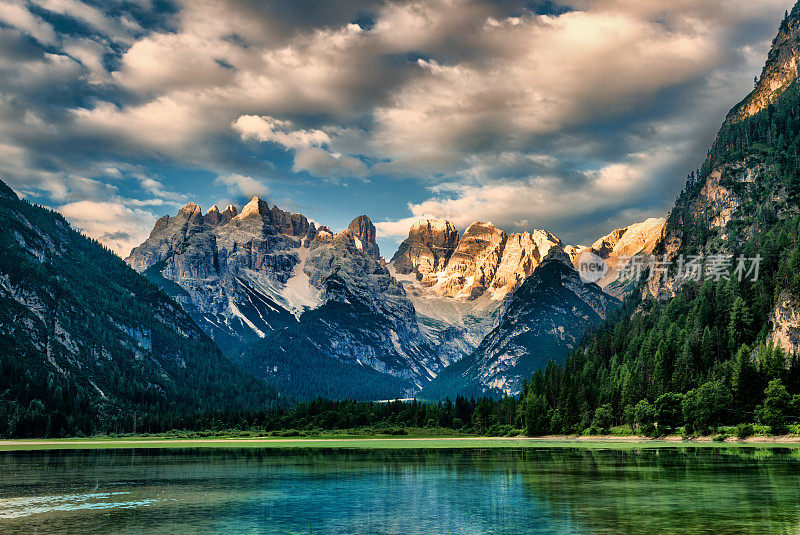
(469, 415)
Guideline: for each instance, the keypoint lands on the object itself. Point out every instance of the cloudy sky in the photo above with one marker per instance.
(576, 116)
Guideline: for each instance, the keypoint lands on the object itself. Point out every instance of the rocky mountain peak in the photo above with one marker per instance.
(473, 264)
(216, 218)
(363, 228)
(639, 238)
(362, 232)
(480, 230)
(522, 253)
(190, 209)
(427, 249)
(541, 236)
(213, 217)
(605, 245)
(618, 247)
(780, 70)
(255, 207)
(433, 225)
(485, 260)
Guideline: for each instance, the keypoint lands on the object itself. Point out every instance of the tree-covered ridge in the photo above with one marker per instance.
(706, 342)
(89, 345)
(757, 160)
(702, 357)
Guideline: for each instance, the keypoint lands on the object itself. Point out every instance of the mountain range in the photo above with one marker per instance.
(227, 309)
(315, 312)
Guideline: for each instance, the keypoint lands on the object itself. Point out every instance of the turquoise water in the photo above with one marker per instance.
(543, 490)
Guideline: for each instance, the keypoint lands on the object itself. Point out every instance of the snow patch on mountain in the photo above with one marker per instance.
(238, 313)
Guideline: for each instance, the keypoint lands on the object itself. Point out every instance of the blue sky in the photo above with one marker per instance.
(576, 116)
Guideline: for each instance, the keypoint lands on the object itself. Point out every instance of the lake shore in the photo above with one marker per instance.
(382, 442)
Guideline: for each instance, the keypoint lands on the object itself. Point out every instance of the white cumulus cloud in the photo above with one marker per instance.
(242, 185)
(112, 223)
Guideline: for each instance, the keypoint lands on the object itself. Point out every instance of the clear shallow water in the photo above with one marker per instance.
(401, 491)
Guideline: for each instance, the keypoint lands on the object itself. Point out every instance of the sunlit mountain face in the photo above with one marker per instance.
(576, 117)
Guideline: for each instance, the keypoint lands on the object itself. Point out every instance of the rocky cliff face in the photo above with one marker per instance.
(457, 285)
(717, 212)
(715, 206)
(618, 248)
(485, 261)
(779, 71)
(251, 278)
(361, 233)
(541, 321)
(426, 251)
(744, 189)
(785, 320)
(472, 266)
(521, 255)
(229, 270)
(716, 202)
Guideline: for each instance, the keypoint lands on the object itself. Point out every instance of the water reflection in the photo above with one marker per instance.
(400, 491)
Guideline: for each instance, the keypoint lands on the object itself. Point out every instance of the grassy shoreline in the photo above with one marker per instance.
(384, 442)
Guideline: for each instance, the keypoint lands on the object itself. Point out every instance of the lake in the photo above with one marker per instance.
(472, 491)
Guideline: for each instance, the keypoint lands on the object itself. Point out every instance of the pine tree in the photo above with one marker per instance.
(740, 323)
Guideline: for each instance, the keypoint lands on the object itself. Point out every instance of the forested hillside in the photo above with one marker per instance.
(708, 351)
(88, 345)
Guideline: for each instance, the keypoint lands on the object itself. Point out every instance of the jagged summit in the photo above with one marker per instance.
(427, 250)
(633, 239)
(214, 217)
(434, 224)
(286, 298)
(363, 228)
(618, 247)
(255, 207)
(361, 232)
(485, 260)
(191, 208)
(780, 70)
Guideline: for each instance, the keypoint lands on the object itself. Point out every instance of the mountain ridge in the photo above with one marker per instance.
(87, 345)
(253, 280)
(284, 296)
(540, 322)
